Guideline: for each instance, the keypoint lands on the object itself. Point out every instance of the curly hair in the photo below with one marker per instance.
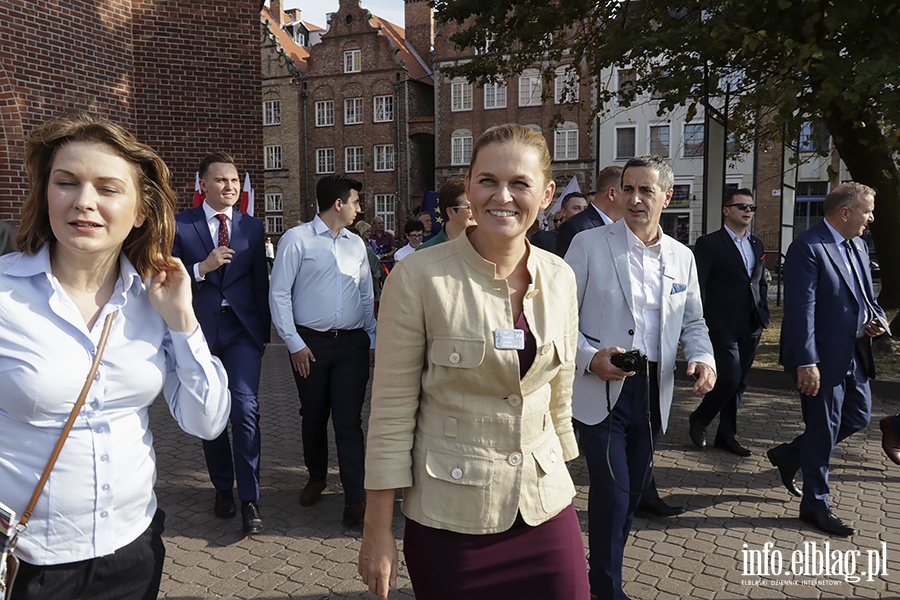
(148, 247)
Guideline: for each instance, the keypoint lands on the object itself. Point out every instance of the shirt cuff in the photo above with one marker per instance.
(196, 270)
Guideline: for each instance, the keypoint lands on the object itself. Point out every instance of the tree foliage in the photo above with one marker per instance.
(786, 61)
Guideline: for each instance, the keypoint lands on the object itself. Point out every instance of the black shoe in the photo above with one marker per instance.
(354, 514)
(657, 507)
(697, 432)
(824, 520)
(731, 445)
(252, 521)
(224, 507)
(787, 473)
(312, 492)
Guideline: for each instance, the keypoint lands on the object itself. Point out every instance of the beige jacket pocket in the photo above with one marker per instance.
(457, 489)
(554, 482)
(457, 353)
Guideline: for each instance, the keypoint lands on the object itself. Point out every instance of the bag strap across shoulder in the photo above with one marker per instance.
(70, 422)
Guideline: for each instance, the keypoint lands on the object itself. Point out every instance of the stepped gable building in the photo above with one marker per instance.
(159, 68)
(358, 98)
(562, 112)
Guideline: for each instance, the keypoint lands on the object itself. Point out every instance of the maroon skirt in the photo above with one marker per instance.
(546, 562)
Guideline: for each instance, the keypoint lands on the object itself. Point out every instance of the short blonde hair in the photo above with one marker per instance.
(514, 133)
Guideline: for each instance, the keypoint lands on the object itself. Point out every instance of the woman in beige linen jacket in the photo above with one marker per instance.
(475, 436)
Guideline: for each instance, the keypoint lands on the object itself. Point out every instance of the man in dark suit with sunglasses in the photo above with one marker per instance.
(732, 276)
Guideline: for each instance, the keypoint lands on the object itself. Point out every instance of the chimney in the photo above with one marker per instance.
(275, 7)
(419, 27)
(294, 13)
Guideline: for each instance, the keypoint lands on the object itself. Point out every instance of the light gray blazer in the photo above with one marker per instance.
(599, 258)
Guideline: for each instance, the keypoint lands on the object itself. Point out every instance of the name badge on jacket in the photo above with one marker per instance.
(509, 339)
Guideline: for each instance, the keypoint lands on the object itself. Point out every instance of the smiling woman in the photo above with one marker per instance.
(96, 238)
(471, 402)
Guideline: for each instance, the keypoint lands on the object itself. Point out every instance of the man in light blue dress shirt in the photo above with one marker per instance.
(323, 308)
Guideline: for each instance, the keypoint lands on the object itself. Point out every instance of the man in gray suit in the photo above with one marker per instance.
(637, 291)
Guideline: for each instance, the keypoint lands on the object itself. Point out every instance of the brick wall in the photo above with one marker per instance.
(182, 75)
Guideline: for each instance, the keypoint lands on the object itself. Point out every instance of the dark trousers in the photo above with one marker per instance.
(631, 441)
(132, 572)
(734, 356)
(237, 458)
(830, 417)
(336, 386)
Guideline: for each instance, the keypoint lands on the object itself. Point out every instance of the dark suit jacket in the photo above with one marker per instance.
(586, 219)
(7, 237)
(733, 301)
(820, 306)
(244, 282)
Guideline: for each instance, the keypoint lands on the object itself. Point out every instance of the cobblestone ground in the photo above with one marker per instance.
(734, 506)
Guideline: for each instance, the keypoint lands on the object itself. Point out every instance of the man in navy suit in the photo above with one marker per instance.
(732, 278)
(603, 209)
(225, 250)
(830, 318)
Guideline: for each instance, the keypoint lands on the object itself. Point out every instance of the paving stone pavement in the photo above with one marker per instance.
(734, 506)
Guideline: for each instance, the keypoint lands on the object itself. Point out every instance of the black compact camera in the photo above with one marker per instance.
(630, 361)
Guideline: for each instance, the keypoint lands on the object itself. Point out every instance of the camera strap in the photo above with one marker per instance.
(612, 472)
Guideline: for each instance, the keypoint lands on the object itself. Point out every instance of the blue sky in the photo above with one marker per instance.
(314, 10)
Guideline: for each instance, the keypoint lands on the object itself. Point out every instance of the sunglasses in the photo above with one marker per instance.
(742, 206)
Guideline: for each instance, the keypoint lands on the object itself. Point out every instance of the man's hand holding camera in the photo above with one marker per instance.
(704, 377)
(604, 369)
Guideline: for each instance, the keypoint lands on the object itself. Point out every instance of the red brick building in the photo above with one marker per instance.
(182, 75)
(562, 112)
(360, 102)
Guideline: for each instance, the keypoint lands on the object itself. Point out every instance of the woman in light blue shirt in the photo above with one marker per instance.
(96, 237)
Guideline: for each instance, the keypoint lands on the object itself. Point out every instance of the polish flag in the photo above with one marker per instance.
(198, 193)
(247, 196)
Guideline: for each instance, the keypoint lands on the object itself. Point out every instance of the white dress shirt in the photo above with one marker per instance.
(645, 266)
(321, 282)
(99, 497)
(403, 252)
(213, 223)
(603, 215)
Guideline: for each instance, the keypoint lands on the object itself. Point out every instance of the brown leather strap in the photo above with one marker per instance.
(70, 422)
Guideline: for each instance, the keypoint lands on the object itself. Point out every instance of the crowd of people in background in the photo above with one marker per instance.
(493, 345)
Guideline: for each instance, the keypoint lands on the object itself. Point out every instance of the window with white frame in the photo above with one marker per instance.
(626, 81)
(383, 109)
(274, 224)
(384, 157)
(565, 142)
(626, 142)
(814, 137)
(530, 88)
(325, 160)
(659, 140)
(274, 203)
(272, 157)
(494, 96)
(353, 111)
(352, 61)
(461, 147)
(272, 112)
(384, 208)
(324, 113)
(353, 159)
(693, 140)
(565, 86)
(460, 96)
